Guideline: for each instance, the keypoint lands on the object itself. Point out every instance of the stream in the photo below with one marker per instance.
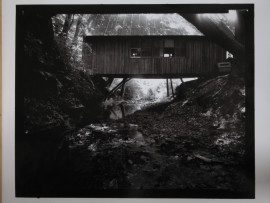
(115, 110)
(123, 156)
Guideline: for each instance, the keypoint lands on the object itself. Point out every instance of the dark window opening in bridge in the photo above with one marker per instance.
(141, 48)
(135, 52)
(168, 52)
(168, 48)
(174, 48)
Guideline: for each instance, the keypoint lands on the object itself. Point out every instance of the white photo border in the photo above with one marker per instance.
(262, 100)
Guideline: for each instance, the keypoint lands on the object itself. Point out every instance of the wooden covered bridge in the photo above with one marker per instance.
(148, 46)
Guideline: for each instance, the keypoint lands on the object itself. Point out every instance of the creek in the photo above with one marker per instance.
(115, 110)
(116, 139)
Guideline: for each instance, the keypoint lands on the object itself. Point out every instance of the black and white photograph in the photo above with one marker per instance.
(135, 101)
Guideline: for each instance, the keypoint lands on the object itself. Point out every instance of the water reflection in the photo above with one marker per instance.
(119, 109)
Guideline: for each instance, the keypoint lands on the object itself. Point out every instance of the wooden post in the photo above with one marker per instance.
(172, 87)
(122, 110)
(123, 87)
(182, 81)
(167, 82)
(114, 89)
(109, 81)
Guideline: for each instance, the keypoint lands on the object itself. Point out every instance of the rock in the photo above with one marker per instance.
(204, 167)
(143, 157)
(87, 133)
(92, 147)
(203, 158)
(113, 184)
(208, 113)
(189, 158)
(217, 167)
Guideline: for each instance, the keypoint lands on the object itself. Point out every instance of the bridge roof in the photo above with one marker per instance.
(140, 25)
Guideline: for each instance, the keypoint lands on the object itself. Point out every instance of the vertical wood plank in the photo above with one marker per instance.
(125, 55)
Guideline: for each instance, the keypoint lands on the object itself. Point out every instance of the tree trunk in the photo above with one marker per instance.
(67, 25)
(90, 19)
(78, 25)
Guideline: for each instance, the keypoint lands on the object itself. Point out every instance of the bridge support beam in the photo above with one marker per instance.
(172, 87)
(123, 87)
(182, 82)
(117, 87)
(109, 81)
(167, 84)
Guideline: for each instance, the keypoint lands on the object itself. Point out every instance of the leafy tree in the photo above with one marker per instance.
(67, 25)
(69, 31)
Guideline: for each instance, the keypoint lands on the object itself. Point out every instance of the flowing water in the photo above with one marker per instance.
(115, 110)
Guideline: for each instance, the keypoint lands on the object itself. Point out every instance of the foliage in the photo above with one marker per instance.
(149, 89)
(70, 41)
(53, 96)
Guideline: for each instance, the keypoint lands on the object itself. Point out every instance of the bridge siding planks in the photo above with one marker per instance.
(111, 56)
